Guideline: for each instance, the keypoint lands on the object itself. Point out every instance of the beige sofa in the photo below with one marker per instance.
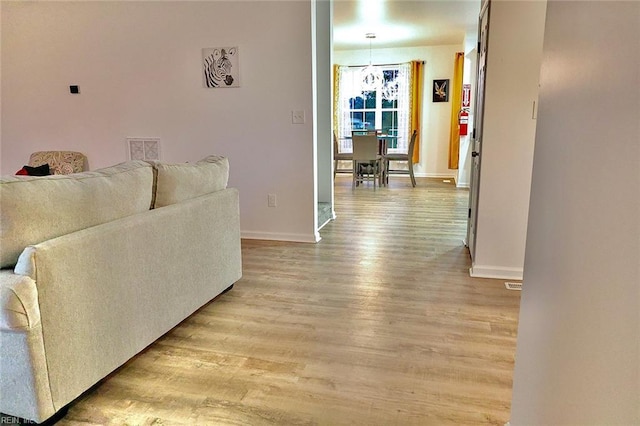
(98, 265)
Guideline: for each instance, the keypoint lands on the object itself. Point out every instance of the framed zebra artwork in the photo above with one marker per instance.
(220, 67)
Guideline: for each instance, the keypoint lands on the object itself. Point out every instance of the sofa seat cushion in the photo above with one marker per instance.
(18, 302)
(36, 209)
(184, 181)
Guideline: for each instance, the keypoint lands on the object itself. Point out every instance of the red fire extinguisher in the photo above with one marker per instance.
(463, 121)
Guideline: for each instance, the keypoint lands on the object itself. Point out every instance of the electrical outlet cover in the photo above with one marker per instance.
(297, 117)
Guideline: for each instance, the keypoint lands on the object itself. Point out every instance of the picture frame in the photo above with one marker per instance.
(220, 67)
(441, 90)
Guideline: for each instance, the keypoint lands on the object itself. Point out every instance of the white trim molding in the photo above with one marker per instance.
(496, 272)
(273, 236)
(432, 175)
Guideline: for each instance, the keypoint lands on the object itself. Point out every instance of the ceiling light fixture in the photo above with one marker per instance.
(390, 90)
(371, 76)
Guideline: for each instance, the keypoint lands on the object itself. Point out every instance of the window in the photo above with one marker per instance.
(385, 108)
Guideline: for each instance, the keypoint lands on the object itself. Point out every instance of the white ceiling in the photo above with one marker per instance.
(403, 23)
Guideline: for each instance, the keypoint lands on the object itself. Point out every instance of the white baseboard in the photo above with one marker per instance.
(434, 175)
(496, 272)
(274, 236)
(466, 185)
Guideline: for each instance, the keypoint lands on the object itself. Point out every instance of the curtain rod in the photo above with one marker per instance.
(379, 65)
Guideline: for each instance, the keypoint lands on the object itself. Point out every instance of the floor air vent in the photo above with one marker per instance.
(513, 286)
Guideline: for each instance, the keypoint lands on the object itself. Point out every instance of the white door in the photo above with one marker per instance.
(476, 144)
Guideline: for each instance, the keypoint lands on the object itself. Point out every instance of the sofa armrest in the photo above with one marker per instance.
(18, 302)
(24, 378)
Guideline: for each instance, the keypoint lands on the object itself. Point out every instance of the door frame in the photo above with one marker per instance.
(476, 145)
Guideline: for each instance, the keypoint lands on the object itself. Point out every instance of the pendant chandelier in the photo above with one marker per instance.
(371, 76)
(390, 90)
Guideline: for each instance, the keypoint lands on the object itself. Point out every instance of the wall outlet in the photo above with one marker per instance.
(271, 200)
(297, 117)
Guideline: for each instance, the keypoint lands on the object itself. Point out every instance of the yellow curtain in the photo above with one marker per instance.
(417, 85)
(456, 101)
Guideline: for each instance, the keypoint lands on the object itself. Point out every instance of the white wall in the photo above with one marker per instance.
(439, 61)
(578, 352)
(138, 65)
(513, 65)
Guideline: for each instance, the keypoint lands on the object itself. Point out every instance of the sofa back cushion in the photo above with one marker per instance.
(36, 209)
(179, 182)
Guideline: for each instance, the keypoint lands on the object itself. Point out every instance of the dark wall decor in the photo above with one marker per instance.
(220, 67)
(441, 90)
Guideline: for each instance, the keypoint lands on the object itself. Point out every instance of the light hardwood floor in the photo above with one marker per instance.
(378, 324)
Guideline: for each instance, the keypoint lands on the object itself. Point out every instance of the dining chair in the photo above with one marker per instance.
(401, 157)
(367, 161)
(339, 156)
(381, 137)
